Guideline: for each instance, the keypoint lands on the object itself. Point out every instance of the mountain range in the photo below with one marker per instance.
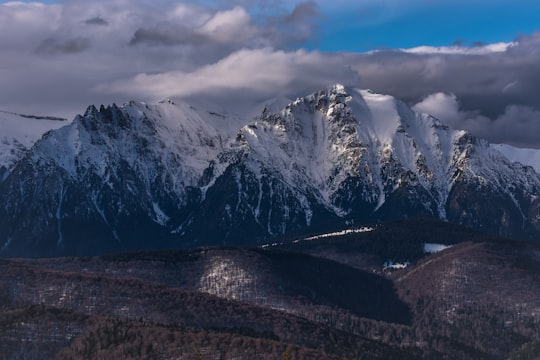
(174, 175)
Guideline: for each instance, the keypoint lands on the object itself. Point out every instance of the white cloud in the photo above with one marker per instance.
(256, 74)
(443, 106)
(461, 50)
(229, 26)
(446, 108)
(191, 15)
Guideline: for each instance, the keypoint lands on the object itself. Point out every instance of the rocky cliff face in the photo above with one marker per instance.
(171, 175)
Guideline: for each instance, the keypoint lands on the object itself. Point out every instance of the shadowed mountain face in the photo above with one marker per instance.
(278, 280)
(476, 298)
(174, 176)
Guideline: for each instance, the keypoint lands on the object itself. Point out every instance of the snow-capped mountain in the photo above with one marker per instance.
(530, 157)
(351, 153)
(18, 133)
(140, 176)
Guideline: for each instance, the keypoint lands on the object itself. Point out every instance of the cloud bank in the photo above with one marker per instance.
(57, 59)
(517, 125)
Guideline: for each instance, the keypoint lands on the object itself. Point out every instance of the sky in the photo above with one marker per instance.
(474, 64)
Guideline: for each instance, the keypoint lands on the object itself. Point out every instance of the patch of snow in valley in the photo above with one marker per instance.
(390, 265)
(433, 248)
(339, 233)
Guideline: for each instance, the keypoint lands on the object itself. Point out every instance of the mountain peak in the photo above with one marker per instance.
(183, 175)
(167, 101)
(338, 89)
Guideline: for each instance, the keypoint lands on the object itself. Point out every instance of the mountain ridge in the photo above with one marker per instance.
(141, 176)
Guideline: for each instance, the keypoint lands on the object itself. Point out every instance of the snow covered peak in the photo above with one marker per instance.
(319, 142)
(19, 132)
(338, 89)
(338, 92)
(173, 136)
(528, 157)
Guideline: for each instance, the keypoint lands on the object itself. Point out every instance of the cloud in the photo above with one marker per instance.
(96, 21)
(232, 28)
(300, 25)
(51, 46)
(245, 76)
(518, 125)
(459, 49)
(166, 35)
(443, 106)
(57, 59)
(302, 12)
(232, 25)
(487, 79)
(22, 23)
(447, 108)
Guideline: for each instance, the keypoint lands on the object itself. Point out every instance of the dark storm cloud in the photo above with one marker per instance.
(486, 82)
(518, 125)
(494, 95)
(299, 26)
(96, 21)
(168, 36)
(303, 11)
(52, 46)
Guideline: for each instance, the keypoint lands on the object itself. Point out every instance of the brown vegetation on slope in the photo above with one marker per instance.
(476, 300)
